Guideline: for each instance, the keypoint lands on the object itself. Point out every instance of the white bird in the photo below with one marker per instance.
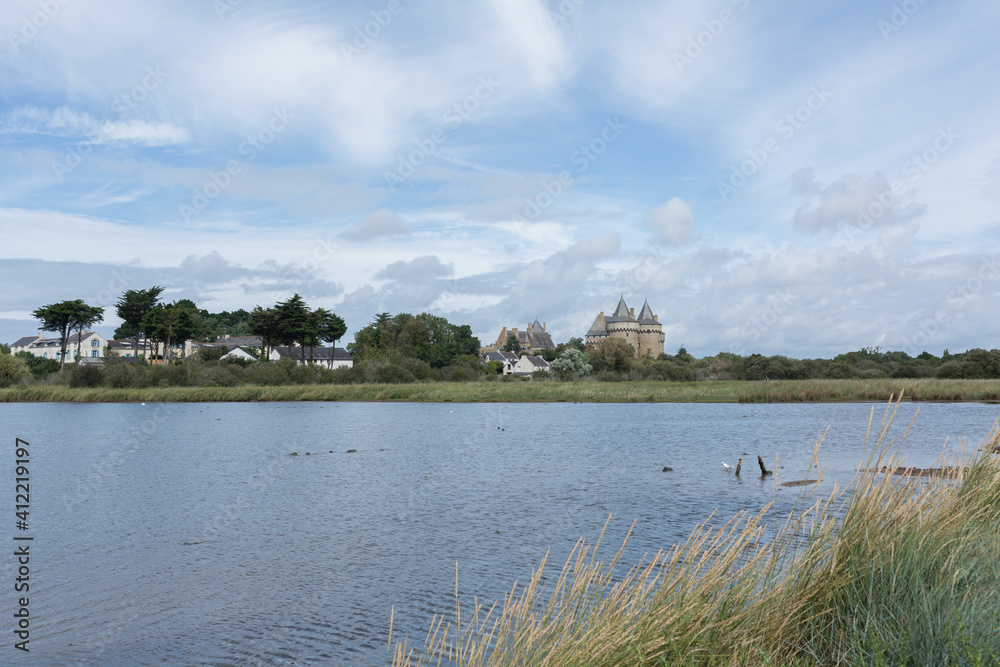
(727, 466)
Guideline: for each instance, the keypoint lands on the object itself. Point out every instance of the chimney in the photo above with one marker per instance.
(656, 318)
(543, 326)
(631, 312)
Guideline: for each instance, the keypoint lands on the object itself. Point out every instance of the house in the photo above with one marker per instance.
(127, 349)
(644, 334)
(527, 365)
(227, 341)
(532, 339)
(331, 357)
(90, 345)
(248, 353)
(507, 359)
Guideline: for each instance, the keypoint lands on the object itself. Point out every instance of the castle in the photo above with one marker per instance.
(532, 340)
(645, 334)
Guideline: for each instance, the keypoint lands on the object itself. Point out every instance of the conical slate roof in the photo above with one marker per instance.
(646, 314)
(536, 326)
(598, 328)
(621, 313)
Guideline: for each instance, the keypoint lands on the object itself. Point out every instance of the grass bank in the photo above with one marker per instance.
(902, 571)
(782, 391)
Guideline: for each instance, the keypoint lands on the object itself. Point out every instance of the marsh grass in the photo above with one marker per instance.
(891, 570)
(784, 391)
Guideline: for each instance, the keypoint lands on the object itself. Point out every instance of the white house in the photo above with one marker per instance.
(508, 359)
(527, 365)
(331, 357)
(248, 353)
(91, 345)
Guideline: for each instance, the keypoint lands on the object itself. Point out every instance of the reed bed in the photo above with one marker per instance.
(890, 570)
(709, 391)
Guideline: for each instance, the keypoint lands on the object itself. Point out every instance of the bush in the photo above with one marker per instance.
(393, 374)
(459, 374)
(218, 375)
(267, 374)
(168, 375)
(86, 375)
(119, 375)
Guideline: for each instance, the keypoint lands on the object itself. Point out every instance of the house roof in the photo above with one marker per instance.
(318, 353)
(646, 314)
(21, 342)
(621, 313)
(501, 356)
(537, 326)
(599, 327)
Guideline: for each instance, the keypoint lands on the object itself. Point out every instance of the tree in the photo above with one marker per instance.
(86, 316)
(132, 307)
(61, 318)
(293, 323)
(169, 325)
(12, 368)
(613, 354)
(573, 361)
(263, 322)
(431, 339)
(326, 327)
(512, 344)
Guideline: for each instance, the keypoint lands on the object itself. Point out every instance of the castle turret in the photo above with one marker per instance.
(651, 337)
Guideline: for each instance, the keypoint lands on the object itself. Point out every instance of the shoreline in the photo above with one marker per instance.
(705, 391)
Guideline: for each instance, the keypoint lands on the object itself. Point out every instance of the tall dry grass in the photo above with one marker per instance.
(537, 391)
(898, 570)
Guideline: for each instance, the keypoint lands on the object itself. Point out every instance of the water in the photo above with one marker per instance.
(187, 534)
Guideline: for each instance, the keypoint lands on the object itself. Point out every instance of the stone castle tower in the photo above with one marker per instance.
(644, 334)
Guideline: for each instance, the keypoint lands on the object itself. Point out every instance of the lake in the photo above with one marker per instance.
(189, 534)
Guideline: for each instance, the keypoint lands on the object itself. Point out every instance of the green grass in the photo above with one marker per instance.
(899, 571)
(785, 391)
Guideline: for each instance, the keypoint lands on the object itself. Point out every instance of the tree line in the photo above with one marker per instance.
(146, 320)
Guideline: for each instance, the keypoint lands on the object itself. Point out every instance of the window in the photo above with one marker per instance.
(95, 343)
(93, 353)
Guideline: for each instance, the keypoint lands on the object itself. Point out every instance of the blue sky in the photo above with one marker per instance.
(794, 178)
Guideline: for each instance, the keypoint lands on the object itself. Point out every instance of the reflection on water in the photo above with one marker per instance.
(188, 534)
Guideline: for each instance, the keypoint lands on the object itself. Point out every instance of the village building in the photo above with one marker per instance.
(644, 334)
(527, 365)
(90, 345)
(533, 339)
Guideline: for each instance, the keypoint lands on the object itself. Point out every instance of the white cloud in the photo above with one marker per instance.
(381, 223)
(141, 133)
(672, 224)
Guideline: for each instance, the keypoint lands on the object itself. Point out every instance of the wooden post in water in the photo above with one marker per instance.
(763, 471)
(739, 464)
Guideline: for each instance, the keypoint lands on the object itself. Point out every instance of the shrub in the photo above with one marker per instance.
(393, 374)
(459, 374)
(86, 375)
(266, 374)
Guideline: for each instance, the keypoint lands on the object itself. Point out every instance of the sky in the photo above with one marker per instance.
(776, 177)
